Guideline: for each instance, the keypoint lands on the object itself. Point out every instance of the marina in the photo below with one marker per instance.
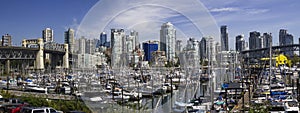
(168, 90)
(151, 56)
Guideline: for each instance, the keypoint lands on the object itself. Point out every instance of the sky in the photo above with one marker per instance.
(191, 18)
(27, 18)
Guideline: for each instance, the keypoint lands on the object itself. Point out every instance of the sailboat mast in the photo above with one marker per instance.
(210, 74)
(270, 63)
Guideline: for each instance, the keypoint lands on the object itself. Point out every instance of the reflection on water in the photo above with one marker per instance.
(158, 104)
(187, 90)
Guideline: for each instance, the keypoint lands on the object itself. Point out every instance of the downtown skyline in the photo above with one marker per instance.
(27, 20)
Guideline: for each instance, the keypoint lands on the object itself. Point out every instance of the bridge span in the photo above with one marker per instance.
(38, 53)
(288, 50)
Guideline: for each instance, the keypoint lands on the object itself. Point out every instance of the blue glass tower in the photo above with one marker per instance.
(148, 49)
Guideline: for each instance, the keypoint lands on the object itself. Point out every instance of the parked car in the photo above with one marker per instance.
(9, 106)
(75, 112)
(17, 109)
(39, 110)
(52, 110)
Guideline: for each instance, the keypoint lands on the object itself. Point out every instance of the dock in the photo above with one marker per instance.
(42, 95)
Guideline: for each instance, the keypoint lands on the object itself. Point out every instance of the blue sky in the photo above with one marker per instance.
(27, 19)
(243, 16)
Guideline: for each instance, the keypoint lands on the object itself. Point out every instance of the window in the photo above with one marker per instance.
(38, 111)
(52, 110)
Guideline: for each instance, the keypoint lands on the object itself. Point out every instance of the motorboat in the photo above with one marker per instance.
(133, 94)
(219, 105)
(181, 104)
(118, 97)
(160, 91)
(96, 99)
(169, 87)
(291, 107)
(35, 88)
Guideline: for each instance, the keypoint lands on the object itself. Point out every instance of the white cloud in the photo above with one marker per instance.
(256, 11)
(146, 17)
(74, 25)
(225, 9)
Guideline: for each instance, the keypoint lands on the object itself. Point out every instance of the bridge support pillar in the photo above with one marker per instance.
(66, 57)
(24, 43)
(39, 62)
(7, 66)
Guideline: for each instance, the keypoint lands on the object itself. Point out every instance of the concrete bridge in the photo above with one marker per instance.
(35, 52)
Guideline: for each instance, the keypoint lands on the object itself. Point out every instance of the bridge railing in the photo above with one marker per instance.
(54, 46)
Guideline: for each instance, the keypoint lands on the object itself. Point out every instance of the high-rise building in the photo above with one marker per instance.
(135, 37)
(299, 43)
(6, 40)
(267, 37)
(134, 40)
(202, 49)
(282, 34)
(90, 46)
(168, 40)
(130, 44)
(260, 42)
(255, 41)
(76, 46)
(48, 35)
(178, 47)
(118, 47)
(81, 46)
(217, 47)
(224, 38)
(240, 43)
(103, 39)
(191, 52)
(192, 44)
(69, 39)
(207, 50)
(285, 38)
(149, 47)
(95, 43)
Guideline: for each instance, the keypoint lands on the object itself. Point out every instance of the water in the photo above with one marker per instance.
(164, 103)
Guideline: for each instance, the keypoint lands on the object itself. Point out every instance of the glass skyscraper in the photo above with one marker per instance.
(224, 38)
(149, 47)
(103, 39)
(239, 43)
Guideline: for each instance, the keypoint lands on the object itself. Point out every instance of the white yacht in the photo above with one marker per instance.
(133, 93)
(291, 107)
(35, 88)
